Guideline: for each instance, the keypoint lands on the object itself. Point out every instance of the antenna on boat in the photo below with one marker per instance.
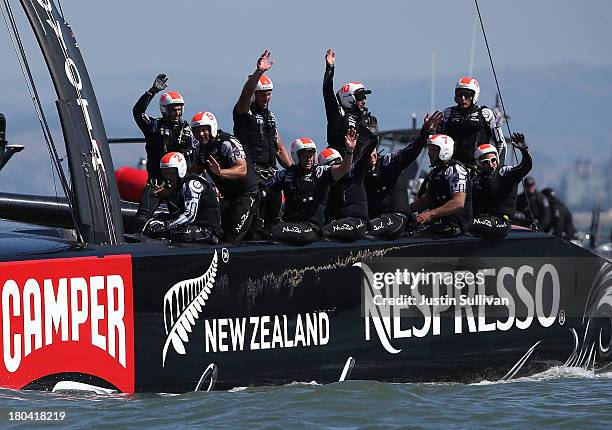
(471, 66)
(501, 100)
(432, 104)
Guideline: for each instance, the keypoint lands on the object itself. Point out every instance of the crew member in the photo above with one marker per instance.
(223, 157)
(192, 203)
(306, 188)
(445, 207)
(162, 135)
(388, 205)
(346, 215)
(494, 189)
(347, 109)
(469, 124)
(532, 207)
(562, 223)
(255, 126)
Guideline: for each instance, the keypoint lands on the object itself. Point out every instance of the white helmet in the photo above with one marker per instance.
(329, 156)
(484, 149)
(346, 94)
(445, 143)
(264, 83)
(174, 160)
(468, 83)
(170, 98)
(206, 118)
(300, 144)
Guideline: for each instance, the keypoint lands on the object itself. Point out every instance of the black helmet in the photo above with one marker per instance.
(549, 192)
(529, 181)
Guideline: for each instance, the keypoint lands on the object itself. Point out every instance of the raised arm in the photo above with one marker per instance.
(519, 171)
(405, 156)
(244, 101)
(332, 109)
(350, 141)
(282, 155)
(141, 118)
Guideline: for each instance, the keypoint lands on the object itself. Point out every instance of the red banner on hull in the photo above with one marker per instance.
(67, 315)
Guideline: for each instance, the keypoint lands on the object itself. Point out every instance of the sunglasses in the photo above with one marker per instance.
(360, 97)
(489, 161)
(464, 95)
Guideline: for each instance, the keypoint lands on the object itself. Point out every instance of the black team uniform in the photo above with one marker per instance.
(257, 131)
(240, 196)
(161, 137)
(194, 214)
(306, 196)
(388, 205)
(494, 198)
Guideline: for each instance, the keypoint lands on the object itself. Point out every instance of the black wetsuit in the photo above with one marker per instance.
(441, 183)
(494, 198)
(469, 128)
(387, 190)
(194, 214)
(346, 215)
(339, 121)
(240, 196)
(540, 207)
(161, 137)
(306, 196)
(257, 131)
(562, 223)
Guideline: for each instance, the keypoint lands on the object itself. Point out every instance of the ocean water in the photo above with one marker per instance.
(571, 398)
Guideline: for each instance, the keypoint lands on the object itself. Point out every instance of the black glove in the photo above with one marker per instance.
(518, 141)
(159, 84)
(156, 226)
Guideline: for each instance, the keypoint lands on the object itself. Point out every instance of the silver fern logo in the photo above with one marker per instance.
(183, 304)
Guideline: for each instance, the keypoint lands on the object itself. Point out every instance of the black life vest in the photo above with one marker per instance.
(439, 188)
(209, 214)
(493, 194)
(366, 126)
(468, 128)
(164, 138)
(219, 149)
(306, 195)
(257, 132)
(387, 191)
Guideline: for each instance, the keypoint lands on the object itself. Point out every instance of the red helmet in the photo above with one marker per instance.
(469, 83)
(301, 144)
(264, 83)
(346, 94)
(445, 143)
(170, 98)
(484, 149)
(206, 118)
(329, 156)
(174, 160)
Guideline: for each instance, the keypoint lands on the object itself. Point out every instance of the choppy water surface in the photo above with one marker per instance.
(560, 398)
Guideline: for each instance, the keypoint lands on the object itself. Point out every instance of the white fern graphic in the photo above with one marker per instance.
(189, 297)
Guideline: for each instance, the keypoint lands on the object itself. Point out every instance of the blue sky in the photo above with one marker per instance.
(208, 49)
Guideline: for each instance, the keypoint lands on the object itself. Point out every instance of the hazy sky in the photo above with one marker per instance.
(385, 38)
(204, 46)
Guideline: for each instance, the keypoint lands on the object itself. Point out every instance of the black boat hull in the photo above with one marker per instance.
(273, 314)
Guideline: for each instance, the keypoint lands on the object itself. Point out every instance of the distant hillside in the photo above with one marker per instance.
(562, 110)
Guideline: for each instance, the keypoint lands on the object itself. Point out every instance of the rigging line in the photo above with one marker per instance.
(25, 69)
(101, 174)
(501, 99)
